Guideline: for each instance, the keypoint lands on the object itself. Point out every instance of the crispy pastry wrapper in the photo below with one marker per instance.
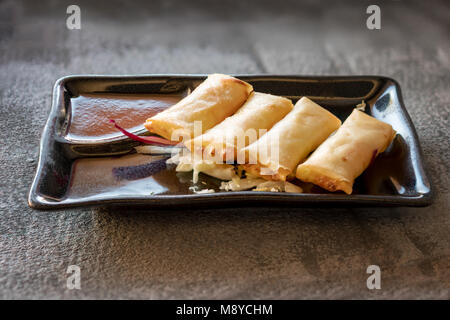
(215, 99)
(258, 114)
(345, 155)
(276, 154)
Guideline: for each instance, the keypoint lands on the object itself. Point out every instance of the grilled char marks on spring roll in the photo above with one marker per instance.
(215, 99)
(258, 114)
(345, 155)
(275, 155)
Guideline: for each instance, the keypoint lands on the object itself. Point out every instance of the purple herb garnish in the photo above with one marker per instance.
(146, 139)
(139, 171)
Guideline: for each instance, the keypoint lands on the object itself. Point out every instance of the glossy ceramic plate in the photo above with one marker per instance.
(105, 169)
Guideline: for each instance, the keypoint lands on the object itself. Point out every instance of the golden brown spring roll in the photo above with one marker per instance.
(260, 111)
(216, 98)
(346, 154)
(276, 154)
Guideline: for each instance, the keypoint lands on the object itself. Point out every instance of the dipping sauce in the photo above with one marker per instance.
(90, 113)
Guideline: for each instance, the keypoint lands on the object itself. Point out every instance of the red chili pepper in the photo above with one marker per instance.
(148, 140)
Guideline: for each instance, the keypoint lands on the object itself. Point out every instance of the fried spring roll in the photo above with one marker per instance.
(276, 154)
(216, 98)
(258, 114)
(345, 155)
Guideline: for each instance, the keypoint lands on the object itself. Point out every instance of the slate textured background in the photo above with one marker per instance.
(217, 252)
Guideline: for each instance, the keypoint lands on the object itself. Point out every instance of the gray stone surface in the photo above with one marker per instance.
(222, 253)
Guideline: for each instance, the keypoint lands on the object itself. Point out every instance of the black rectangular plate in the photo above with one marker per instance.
(396, 178)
